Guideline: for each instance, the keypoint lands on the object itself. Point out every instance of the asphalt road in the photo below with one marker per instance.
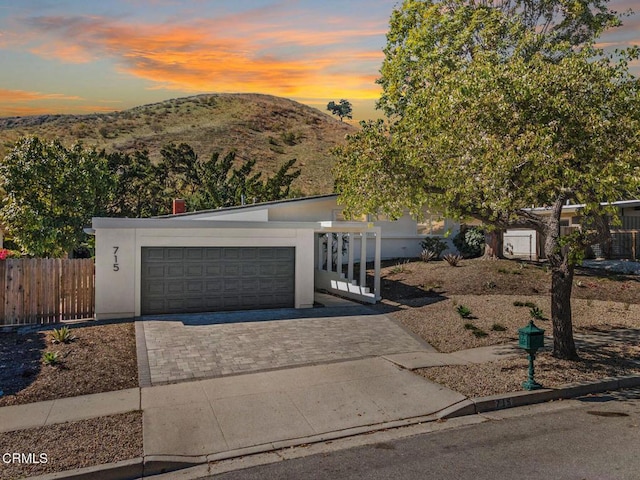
(594, 438)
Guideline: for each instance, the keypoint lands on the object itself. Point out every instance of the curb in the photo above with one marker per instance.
(491, 403)
(124, 470)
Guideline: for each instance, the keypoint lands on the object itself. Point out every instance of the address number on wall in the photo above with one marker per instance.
(116, 267)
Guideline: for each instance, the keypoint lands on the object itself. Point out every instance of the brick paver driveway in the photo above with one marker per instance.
(184, 347)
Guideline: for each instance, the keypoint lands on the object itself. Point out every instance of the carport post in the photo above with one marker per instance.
(351, 247)
(320, 259)
(363, 260)
(376, 282)
(339, 255)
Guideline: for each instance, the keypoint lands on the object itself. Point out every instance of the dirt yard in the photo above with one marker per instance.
(499, 296)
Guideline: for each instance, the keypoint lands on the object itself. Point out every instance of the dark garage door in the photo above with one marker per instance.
(209, 279)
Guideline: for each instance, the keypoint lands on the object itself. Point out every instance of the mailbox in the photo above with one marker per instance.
(531, 337)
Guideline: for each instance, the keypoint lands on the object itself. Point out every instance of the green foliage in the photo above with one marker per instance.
(51, 194)
(400, 267)
(342, 109)
(498, 327)
(51, 358)
(463, 311)
(138, 191)
(477, 332)
(536, 313)
(62, 335)
(518, 303)
(435, 245)
(452, 259)
(496, 106)
(469, 241)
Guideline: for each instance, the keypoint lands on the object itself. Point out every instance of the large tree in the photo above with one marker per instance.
(51, 194)
(495, 107)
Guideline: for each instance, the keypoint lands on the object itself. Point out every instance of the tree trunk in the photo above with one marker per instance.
(561, 284)
(492, 245)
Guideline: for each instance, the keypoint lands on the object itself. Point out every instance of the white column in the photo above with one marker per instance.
(363, 260)
(351, 247)
(376, 282)
(339, 255)
(319, 240)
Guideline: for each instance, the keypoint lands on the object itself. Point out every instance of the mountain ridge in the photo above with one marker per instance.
(269, 129)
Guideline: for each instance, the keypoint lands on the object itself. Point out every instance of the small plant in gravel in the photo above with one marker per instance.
(62, 335)
(50, 358)
(463, 311)
(518, 303)
(427, 255)
(400, 267)
(498, 327)
(490, 285)
(477, 332)
(536, 313)
(452, 259)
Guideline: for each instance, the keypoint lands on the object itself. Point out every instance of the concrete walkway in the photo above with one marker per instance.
(200, 420)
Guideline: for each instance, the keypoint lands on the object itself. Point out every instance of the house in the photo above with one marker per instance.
(267, 255)
(526, 243)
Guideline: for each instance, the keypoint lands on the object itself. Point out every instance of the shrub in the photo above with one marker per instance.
(452, 259)
(399, 267)
(469, 241)
(435, 244)
(62, 335)
(4, 254)
(464, 312)
(498, 327)
(427, 255)
(536, 313)
(50, 358)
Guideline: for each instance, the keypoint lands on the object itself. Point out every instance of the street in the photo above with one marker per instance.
(591, 438)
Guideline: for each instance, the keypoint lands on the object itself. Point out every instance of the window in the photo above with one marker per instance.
(432, 224)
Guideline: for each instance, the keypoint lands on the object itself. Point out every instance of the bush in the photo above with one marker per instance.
(452, 259)
(4, 254)
(434, 244)
(469, 241)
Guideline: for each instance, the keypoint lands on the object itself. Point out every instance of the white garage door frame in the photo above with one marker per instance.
(119, 245)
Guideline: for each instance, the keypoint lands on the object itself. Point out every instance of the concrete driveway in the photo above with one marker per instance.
(173, 348)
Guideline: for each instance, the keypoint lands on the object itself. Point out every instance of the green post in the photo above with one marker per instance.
(531, 338)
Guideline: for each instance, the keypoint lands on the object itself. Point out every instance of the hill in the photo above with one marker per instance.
(268, 129)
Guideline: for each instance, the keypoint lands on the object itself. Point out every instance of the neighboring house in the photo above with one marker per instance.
(267, 255)
(525, 243)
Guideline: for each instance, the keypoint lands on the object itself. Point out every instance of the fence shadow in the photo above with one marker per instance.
(20, 357)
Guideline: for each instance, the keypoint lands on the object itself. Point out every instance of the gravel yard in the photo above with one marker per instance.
(101, 358)
(499, 294)
(73, 445)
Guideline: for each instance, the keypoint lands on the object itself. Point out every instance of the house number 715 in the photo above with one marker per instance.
(116, 267)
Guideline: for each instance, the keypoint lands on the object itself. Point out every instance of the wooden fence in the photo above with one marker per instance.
(37, 290)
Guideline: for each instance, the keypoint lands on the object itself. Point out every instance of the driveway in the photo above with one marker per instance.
(173, 348)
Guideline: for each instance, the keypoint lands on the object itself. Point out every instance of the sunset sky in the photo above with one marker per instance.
(96, 56)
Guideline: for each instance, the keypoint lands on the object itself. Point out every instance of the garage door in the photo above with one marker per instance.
(208, 279)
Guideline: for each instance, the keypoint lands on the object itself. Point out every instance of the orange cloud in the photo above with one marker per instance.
(26, 110)
(11, 96)
(206, 57)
